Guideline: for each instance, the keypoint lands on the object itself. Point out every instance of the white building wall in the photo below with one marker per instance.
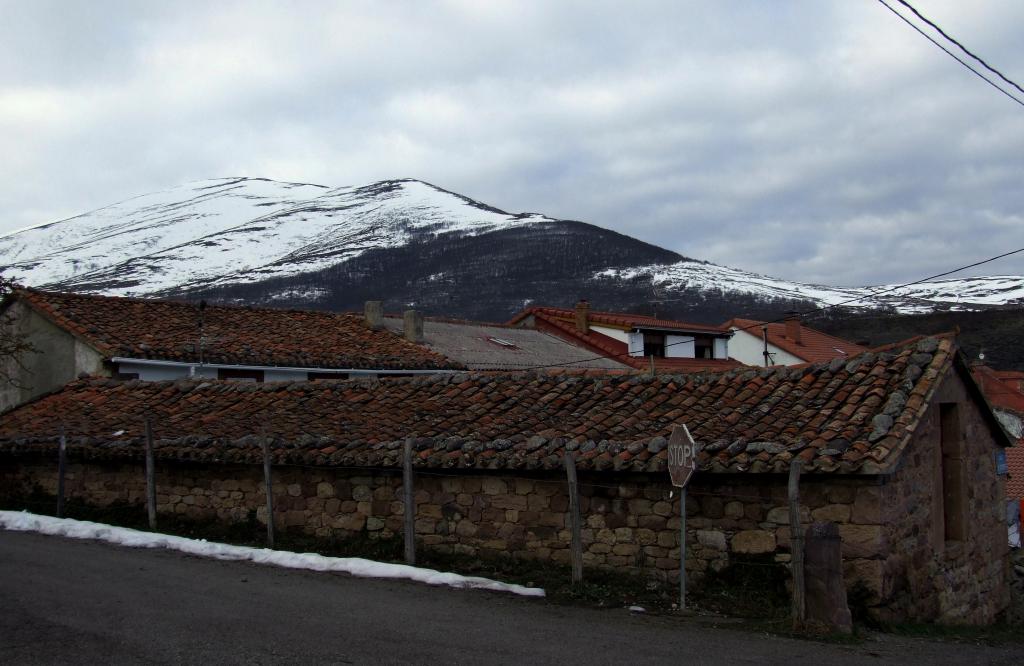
(635, 341)
(722, 348)
(748, 347)
(155, 373)
(614, 333)
(680, 346)
(274, 375)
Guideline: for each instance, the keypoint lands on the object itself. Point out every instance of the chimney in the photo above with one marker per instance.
(793, 327)
(413, 322)
(373, 313)
(583, 317)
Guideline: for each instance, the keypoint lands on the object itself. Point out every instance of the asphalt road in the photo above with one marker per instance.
(70, 601)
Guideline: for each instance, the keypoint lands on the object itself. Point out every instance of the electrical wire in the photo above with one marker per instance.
(961, 46)
(951, 54)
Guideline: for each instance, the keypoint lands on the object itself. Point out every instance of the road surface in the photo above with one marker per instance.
(72, 601)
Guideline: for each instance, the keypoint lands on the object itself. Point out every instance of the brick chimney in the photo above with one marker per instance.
(793, 327)
(373, 313)
(413, 326)
(583, 317)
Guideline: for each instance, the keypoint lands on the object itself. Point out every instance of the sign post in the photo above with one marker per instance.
(682, 463)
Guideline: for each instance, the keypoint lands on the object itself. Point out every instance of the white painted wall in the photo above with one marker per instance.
(155, 373)
(614, 333)
(722, 348)
(636, 343)
(748, 347)
(679, 346)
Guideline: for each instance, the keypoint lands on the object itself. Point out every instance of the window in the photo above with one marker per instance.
(703, 346)
(954, 487)
(501, 342)
(234, 375)
(654, 344)
(326, 376)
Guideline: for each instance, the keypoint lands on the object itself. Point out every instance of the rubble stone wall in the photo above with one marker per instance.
(629, 522)
(927, 577)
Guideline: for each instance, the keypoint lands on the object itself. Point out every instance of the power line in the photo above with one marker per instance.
(803, 314)
(950, 53)
(962, 47)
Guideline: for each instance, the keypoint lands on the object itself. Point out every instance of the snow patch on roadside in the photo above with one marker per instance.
(22, 521)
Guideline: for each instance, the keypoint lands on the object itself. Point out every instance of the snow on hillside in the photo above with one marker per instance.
(955, 293)
(247, 230)
(234, 230)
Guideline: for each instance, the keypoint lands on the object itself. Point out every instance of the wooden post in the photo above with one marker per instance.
(269, 482)
(682, 549)
(574, 519)
(62, 464)
(410, 504)
(796, 536)
(150, 476)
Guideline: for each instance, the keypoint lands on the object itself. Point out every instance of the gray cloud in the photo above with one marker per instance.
(813, 141)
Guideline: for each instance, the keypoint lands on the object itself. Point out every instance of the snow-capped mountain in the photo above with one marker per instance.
(235, 230)
(952, 293)
(407, 242)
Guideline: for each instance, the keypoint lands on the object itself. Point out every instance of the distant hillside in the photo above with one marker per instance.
(997, 333)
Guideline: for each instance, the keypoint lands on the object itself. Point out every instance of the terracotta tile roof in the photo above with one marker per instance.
(604, 345)
(619, 319)
(814, 346)
(480, 346)
(846, 416)
(168, 330)
(1002, 388)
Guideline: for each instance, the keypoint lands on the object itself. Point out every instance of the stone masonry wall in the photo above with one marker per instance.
(927, 577)
(630, 522)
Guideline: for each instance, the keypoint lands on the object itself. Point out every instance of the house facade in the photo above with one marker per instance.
(152, 340)
(898, 447)
(635, 340)
(789, 342)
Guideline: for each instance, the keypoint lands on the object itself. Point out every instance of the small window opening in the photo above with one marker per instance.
(954, 488)
(654, 345)
(703, 346)
(326, 376)
(233, 375)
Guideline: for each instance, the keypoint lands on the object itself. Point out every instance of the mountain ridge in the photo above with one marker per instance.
(409, 242)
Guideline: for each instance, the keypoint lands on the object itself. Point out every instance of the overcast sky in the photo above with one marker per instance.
(819, 141)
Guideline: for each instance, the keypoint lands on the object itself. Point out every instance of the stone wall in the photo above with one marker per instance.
(896, 559)
(630, 522)
(927, 576)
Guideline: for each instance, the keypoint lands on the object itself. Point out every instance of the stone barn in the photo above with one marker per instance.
(898, 448)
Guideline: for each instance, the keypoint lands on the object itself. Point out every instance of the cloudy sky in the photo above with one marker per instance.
(811, 140)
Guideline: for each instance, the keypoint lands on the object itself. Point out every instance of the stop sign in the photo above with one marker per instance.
(682, 456)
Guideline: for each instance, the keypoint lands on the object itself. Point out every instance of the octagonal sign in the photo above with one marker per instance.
(682, 456)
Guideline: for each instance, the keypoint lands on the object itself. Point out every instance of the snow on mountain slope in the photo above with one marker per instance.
(235, 230)
(238, 231)
(954, 293)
